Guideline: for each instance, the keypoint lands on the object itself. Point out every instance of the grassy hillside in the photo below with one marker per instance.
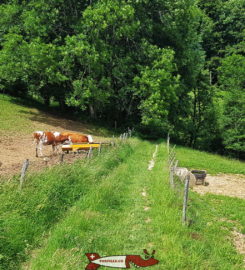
(27, 215)
(15, 117)
(24, 116)
(113, 205)
(194, 159)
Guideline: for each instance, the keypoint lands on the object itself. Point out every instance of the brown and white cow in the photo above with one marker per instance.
(77, 138)
(48, 138)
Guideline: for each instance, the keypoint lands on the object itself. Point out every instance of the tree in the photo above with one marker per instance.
(157, 87)
(232, 74)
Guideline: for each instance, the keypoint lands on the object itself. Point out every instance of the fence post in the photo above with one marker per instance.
(185, 199)
(90, 152)
(99, 149)
(62, 158)
(168, 139)
(23, 172)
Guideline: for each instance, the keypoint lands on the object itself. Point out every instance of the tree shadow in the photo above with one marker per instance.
(56, 121)
(64, 119)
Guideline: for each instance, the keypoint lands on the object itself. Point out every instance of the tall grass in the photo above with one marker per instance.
(45, 198)
(114, 206)
(114, 220)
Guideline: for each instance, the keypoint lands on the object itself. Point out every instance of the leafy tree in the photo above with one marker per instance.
(232, 74)
(157, 88)
(162, 64)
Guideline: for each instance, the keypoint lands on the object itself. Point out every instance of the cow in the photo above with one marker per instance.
(48, 138)
(77, 138)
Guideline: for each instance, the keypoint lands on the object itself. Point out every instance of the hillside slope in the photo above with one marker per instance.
(113, 205)
(133, 208)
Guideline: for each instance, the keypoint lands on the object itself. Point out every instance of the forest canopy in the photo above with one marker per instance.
(164, 66)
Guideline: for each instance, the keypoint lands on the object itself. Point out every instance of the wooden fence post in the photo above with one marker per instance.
(89, 152)
(113, 141)
(62, 158)
(99, 150)
(185, 199)
(168, 139)
(23, 172)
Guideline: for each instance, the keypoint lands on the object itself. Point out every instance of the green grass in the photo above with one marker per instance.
(111, 220)
(14, 117)
(27, 215)
(26, 115)
(194, 159)
(99, 207)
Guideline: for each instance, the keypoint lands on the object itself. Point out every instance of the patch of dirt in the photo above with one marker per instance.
(196, 236)
(232, 185)
(239, 242)
(148, 220)
(17, 147)
(152, 162)
(143, 193)
(237, 237)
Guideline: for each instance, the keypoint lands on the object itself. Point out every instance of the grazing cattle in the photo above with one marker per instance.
(48, 138)
(77, 138)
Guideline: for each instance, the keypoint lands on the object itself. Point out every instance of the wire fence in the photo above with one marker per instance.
(179, 182)
(88, 154)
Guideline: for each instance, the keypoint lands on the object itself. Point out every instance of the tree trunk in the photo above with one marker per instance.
(92, 111)
(46, 100)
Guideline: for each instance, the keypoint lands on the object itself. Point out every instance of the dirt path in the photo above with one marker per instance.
(232, 185)
(152, 162)
(16, 147)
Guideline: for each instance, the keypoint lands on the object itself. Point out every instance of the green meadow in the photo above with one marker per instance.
(113, 205)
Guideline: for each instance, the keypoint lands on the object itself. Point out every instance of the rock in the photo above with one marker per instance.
(192, 181)
(182, 173)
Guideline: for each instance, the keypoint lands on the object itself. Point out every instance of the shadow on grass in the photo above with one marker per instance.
(67, 118)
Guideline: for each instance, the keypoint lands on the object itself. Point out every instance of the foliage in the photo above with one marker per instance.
(154, 64)
(232, 74)
(157, 88)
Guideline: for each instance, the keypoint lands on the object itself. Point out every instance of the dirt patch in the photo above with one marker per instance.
(232, 185)
(143, 193)
(152, 162)
(239, 242)
(237, 237)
